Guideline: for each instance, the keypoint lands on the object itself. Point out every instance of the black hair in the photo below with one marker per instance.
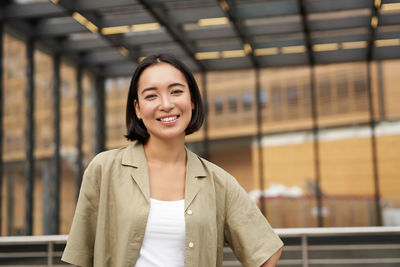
(136, 130)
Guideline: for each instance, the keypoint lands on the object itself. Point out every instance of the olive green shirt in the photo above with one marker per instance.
(114, 203)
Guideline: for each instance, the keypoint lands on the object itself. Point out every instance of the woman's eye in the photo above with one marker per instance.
(177, 91)
(150, 96)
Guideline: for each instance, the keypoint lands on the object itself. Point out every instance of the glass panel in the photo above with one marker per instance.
(14, 121)
(44, 131)
(391, 93)
(232, 111)
(88, 125)
(116, 95)
(68, 151)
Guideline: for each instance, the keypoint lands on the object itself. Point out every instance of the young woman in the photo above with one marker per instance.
(156, 203)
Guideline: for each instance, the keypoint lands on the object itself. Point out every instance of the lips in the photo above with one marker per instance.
(168, 119)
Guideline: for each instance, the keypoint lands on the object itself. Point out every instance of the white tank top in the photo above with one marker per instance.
(164, 238)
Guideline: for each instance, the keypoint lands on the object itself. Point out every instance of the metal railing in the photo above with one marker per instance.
(348, 246)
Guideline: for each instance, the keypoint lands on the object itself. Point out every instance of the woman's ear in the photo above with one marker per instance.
(137, 109)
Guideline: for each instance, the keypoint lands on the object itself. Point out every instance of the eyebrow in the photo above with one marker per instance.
(154, 88)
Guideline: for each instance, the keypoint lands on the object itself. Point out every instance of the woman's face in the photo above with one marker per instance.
(164, 102)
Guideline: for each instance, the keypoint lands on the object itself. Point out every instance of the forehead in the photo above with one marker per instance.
(160, 74)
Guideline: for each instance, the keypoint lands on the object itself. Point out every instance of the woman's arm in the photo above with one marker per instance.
(273, 260)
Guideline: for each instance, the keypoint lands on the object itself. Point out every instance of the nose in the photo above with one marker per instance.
(166, 103)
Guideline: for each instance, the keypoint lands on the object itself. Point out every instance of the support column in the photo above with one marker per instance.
(52, 183)
(79, 116)
(1, 126)
(206, 141)
(100, 115)
(374, 147)
(259, 141)
(315, 132)
(10, 202)
(381, 89)
(29, 136)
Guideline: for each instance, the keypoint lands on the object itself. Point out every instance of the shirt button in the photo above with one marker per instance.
(191, 244)
(189, 212)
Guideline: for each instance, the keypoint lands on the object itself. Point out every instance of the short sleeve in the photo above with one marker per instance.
(80, 245)
(246, 230)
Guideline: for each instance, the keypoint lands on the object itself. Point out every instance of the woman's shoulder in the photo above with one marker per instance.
(217, 173)
(115, 156)
(107, 156)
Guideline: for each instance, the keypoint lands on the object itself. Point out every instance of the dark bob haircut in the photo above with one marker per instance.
(135, 127)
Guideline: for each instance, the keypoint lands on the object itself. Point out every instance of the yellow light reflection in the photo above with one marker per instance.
(145, 27)
(115, 30)
(85, 22)
(224, 5)
(392, 6)
(213, 21)
(233, 53)
(293, 49)
(207, 55)
(123, 51)
(247, 49)
(374, 22)
(387, 42)
(266, 51)
(326, 47)
(354, 45)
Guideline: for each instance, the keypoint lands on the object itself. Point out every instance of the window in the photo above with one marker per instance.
(218, 105)
(342, 85)
(276, 96)
(307, 90)
(120, 82)
(263, 99)
(292, 95)
(247, 100)
(109, 85)
(324, 87)
(66, 88)
(360, 85)
(232, 103)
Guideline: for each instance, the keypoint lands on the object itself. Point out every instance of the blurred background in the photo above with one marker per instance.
(302, 99)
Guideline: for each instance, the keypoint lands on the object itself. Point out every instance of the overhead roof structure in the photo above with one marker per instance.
(109, 37)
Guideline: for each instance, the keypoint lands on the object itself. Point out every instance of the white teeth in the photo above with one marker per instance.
(167, 119)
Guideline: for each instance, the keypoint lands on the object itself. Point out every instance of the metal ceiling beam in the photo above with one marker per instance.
(48, 9)
(160, 15)
(50, 45)
(228, 8)
(84, 45)
(317, 6)
(103, 57)
(120, 69)
(68, 7)
(49, 28)
(30, 10)
(90, 5)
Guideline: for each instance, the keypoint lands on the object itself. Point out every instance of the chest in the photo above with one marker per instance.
(167, 182)
(124, 213)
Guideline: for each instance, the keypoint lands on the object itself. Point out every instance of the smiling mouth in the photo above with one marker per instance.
(168, 119)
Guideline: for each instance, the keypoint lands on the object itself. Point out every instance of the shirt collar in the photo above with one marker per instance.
(134, 156)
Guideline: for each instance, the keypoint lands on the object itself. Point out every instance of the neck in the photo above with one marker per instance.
(167, 152)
